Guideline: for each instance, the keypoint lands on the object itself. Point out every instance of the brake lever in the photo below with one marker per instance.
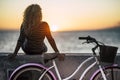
(84, 42)
(88, 41)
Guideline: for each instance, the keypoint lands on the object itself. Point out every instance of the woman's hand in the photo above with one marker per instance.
(12, 56)
(61, 57)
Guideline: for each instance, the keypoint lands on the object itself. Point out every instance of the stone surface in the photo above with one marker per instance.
(66, 67)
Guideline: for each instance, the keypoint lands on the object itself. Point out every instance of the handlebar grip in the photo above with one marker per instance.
(83, 38)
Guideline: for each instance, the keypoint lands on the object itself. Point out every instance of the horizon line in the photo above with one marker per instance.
(110, 27)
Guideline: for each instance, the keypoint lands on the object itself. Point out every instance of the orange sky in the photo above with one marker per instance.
(64, 15)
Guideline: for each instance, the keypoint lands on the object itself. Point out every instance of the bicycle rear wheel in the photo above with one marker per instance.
(31, 73)
(112, 73)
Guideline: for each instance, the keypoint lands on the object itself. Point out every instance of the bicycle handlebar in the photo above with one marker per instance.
(83, 38)
(89, 39)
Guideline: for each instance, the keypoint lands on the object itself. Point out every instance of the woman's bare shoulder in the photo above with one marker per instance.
(44, 23)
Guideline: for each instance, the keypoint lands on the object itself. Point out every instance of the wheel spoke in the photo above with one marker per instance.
(31, 73)
(112, 73)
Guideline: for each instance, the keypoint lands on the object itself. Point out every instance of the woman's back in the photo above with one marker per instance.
(34, 37)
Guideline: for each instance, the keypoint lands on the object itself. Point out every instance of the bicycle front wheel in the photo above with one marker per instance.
(31, 73)
(112, 73)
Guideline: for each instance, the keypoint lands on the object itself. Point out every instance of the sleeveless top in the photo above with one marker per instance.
(35, 41)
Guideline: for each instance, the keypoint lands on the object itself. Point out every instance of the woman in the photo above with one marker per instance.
(33, 32)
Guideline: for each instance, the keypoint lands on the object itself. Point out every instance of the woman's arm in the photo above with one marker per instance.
(19, 43)
(52, 43)
(50, 38)
(17, 48)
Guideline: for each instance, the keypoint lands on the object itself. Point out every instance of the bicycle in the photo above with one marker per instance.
(42, 73)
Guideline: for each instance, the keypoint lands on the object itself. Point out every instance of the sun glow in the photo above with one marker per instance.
(54, 28)
(63, 15)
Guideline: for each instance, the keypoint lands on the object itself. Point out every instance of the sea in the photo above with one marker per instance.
(67, 41)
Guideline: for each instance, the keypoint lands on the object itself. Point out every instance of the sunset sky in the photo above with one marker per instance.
(63, 15)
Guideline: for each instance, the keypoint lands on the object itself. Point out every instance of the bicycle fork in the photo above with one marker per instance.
(102, 72)
(101, 69)
(97, 62)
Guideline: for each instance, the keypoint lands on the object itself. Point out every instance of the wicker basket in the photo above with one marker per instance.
(108, 53)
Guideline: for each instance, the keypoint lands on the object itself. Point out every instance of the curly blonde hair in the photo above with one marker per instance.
(32, 16)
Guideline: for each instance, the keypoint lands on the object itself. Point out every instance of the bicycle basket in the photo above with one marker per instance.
(108, 53)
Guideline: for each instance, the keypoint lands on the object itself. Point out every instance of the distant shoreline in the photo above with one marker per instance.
(106, 29)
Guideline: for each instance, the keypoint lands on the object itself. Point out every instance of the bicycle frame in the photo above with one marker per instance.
(88, 40)
(79, 67)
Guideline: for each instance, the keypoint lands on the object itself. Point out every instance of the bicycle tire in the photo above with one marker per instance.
(112, 73)
(31, 72)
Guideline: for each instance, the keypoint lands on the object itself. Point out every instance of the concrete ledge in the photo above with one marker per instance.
(65, 67)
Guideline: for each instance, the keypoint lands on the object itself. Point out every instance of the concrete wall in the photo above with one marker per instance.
(66, 67)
